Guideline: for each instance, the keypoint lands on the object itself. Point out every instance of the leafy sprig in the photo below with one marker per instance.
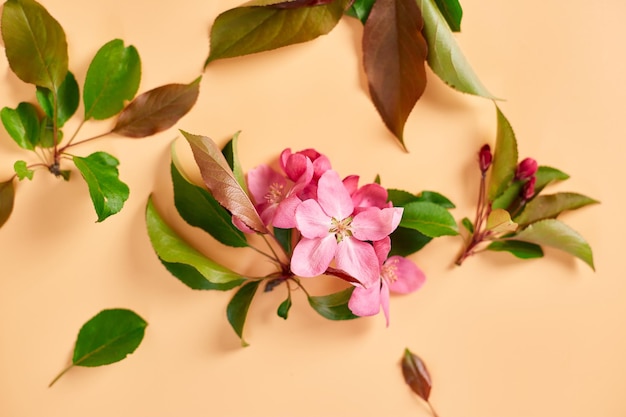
(37, 52)
(399, 38)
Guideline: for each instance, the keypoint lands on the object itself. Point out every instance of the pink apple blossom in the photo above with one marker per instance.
(397, 274)
(330, 230)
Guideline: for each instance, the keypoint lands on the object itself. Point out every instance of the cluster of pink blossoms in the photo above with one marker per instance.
(340, 225)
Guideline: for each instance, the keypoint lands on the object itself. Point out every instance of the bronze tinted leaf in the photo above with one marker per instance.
(157, 110)
(550, 206)
(220, 179)
(394, 57)
(265, 25)
(416, 375)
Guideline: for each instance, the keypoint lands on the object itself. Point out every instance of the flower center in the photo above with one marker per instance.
(341, 228)
(275, 193)
(389, 271)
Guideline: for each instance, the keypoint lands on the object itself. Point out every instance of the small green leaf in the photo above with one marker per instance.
(22, 124)
(453, 13)
(429, 218)
(499, 221)
(257, 27)
(436, 198)
(444, 54)
(108, 337)
(190, 276)
(400, 198)
(522, 250)
(22, 170)
(283, 236)
(333, 306)
(416, 375)
(112, 79)
(157, 110)
(550, 206)
(107, 192)
(35, 43)
(7, 198)
(405, 242)
(232, 157)
(220, 179)
(67, 100)
(361, 9)
(558, 235)
(504, 158)
(172, 249)
(46, 133)
(237, 309)
(283, 308)
(198, 208)
(546, 175)
(467, 223)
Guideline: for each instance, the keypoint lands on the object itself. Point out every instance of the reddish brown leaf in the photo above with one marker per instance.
(416, 375)
(294, 4)
(157, 110)
(220, 179)
(394, 56)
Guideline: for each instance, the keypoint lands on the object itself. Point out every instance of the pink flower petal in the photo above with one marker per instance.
(373, 223)
(241, 225)
(285, 216)
(333, 196)
(311, 257)
(382, 248)
(299, 169)
(311, 220)
(351, 182)
(261, 180)
(384, 300)
(359, 260)
(365, 301)
(370, 195)
(403, 275)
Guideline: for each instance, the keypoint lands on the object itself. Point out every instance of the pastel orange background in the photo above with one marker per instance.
(501, 337)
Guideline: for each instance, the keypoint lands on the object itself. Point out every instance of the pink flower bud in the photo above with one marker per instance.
(529, 188)
(526, 169)
(484, 158)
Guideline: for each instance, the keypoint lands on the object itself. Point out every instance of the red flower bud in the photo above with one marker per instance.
(484, 158)
(529, 188)
(526, 169)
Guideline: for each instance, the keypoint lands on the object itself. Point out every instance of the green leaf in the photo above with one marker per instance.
(108, 337)
(230, 153)
(550, 206)
(436, 198)
(467, 223)
(504, 158)
(522, 250)
(198, 208)
(112, 79)
(546, 175)
(405, 242)
(157, 110)
(333, 306)
(22, 170)
(429, 218)
(46, 133)
(22, 124)
(35, 44)
(7, 198)
(283, 308)
(256, 27)
(283, 236)
(400, 198)
(190, 276)
(444, 54)
(558, 235)
(172, 249)
(394, 59)
(499, 221)
(453, 13)
(107, 192)
(361, 9)
(67, 100)
(508, 196)
(237, 309)
(220, 179)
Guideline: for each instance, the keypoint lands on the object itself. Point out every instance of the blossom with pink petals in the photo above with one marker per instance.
(397, 274)
(330, 230)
